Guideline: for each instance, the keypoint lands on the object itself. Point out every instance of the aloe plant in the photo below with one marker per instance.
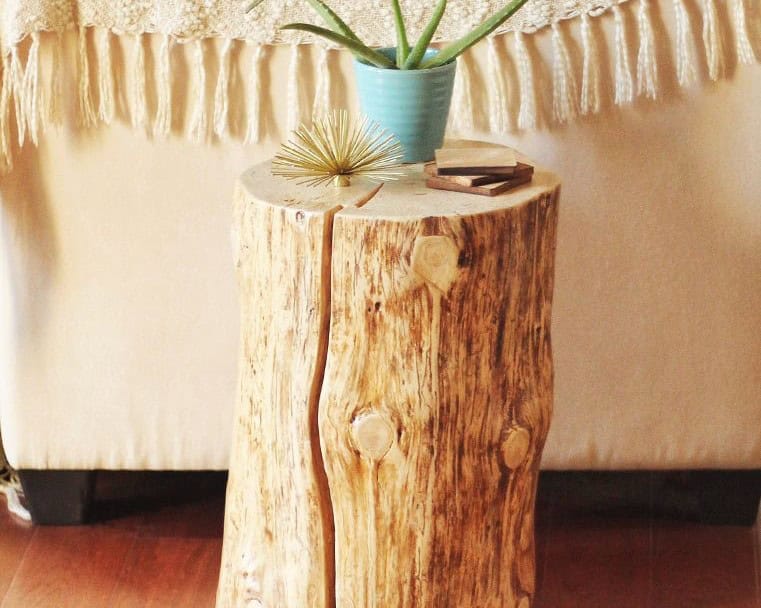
(402, 44)
(407, 58)
(359, 49)
(417, 53)
(448, 53)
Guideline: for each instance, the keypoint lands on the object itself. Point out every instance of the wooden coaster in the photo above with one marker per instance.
(476, 161)
(443, 183)
(520, 170)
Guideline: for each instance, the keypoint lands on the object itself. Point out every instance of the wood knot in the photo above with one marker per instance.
(434, 259)
(372, 434)
(515, 447)
(251, 581)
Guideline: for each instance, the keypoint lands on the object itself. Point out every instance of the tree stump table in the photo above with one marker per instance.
(395, 393)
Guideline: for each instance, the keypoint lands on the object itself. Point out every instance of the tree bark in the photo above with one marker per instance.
(395, 395)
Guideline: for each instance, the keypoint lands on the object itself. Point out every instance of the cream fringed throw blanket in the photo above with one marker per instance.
(31, 93)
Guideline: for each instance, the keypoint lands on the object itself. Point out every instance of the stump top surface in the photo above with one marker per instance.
(406, 198)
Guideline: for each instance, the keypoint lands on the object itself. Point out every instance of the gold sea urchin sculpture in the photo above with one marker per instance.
(335, 149)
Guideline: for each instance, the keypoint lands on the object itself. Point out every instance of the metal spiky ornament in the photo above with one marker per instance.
(336, 148)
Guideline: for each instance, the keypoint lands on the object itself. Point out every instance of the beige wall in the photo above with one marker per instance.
(118, 304)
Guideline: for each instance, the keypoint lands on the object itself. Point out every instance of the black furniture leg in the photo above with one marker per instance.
(720, 497)
(728, 497)
(717, 497)
(57, 497)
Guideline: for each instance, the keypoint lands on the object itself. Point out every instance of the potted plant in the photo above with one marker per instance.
(407, 89)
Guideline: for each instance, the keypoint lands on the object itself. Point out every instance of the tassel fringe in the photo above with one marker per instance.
(461, 113)
(17, 88)
(139, 109)
(647, 66)
(6, 155)
(31, 101)
(198, 129)
(590, 75)
(623, 72)
(322, 91)
(253, 127)
(685, 57)
(55, 104)
(163, 124)
(294, 93)
(105, 75)
(498, 94)
(564, 95)
(222, 91)
(712, 40)
(87, 115)
(36, 102)
(743, 47)
(527, 118)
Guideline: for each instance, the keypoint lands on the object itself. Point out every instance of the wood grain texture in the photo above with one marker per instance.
(15, 536)
(394, 342)
(491, 189)
(157, 545)
(275, 541)
(169, 571)
(476, 161)
(703, 565)
(440, 324)
(599, 543)
(278, 526)
(77, 566)
(521, 169)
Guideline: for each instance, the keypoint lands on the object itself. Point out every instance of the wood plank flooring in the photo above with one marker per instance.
(157, 544)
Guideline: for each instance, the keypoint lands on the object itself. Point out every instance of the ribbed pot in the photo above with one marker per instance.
(411, 104)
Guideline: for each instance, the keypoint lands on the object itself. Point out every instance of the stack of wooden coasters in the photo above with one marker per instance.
(484, 171)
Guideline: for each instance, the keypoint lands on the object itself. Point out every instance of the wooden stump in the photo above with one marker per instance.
(395, 395)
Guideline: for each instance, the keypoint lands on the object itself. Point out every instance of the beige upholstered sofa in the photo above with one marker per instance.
(118, 310)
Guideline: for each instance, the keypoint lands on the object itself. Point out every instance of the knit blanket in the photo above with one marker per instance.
(31, 93)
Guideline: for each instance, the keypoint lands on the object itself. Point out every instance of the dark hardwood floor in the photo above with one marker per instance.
(157, 543)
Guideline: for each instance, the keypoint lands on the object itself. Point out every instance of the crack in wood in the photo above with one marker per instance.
(395, 391)
(326, 504)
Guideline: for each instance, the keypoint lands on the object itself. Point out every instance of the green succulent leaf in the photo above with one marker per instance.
(402, 45)
(418, 51)
(334, 21)
(328, 15)
(449, 52)
(253, 5)
(356, 47)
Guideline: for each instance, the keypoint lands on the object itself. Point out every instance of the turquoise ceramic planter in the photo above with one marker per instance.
(411, 104)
